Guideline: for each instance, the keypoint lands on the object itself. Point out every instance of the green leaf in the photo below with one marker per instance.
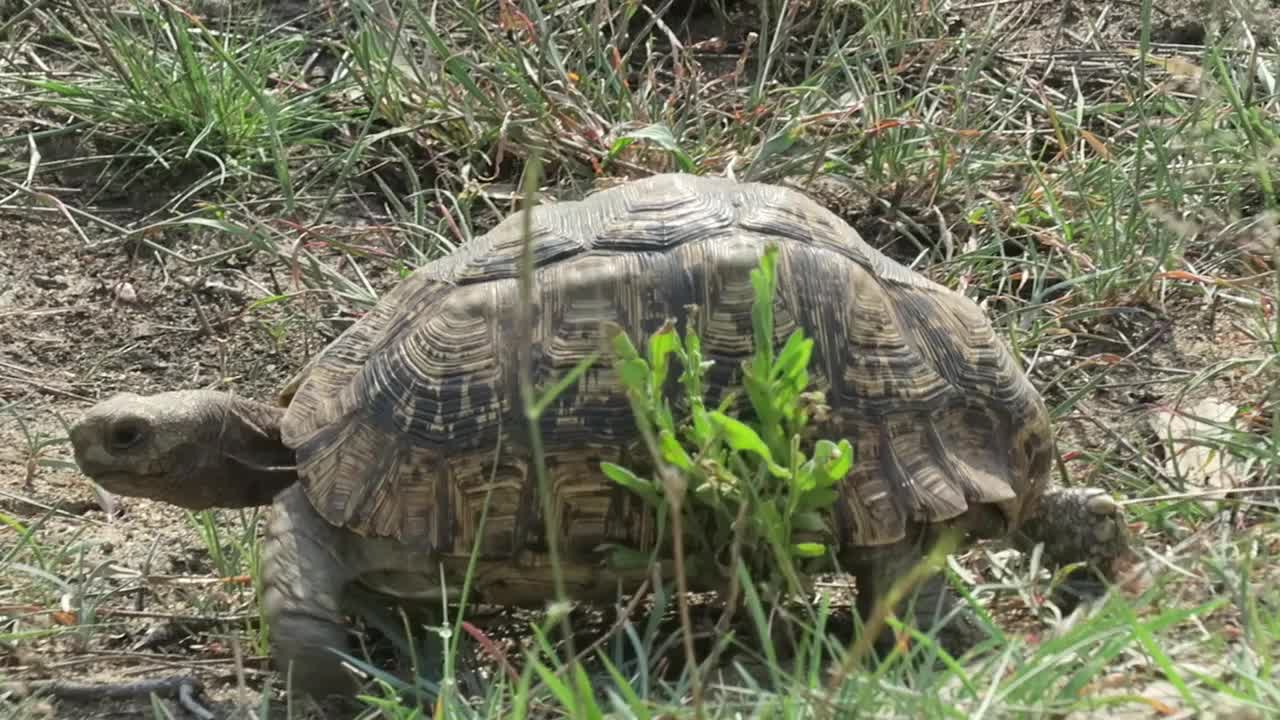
(768, 517)
(661, 345)
(673, 452)
(804, 479)
(823, 451)
(796, 381)
(762, 279)
(621, 342)
(777, 144)
(663, 342)
(661, 409)
(586, 692)
(809, 550)
(635, 376)
(821, 498)
(660, 135)
(695, 368)
(840, 466)
(762, 400)
(742, 438)
(61, 88)
(693, 345)
(794, 357)
(702, 430)
(830, 463)
(638, 707)
(808, 522)
(567, 697)
(632, 482)
(765, 404)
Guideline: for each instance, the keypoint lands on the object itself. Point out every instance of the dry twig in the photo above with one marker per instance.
(184, 687)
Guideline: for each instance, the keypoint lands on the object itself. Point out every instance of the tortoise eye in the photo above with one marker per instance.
(125, 435)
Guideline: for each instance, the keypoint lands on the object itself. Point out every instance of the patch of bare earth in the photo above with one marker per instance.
(1087, 27)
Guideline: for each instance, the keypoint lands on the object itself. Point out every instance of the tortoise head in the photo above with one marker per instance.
(192, 448)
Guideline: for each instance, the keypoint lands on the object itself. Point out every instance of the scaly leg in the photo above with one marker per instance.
(304, 575)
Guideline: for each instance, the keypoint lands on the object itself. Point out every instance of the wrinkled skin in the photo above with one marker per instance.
(202, 449)
(196, 449)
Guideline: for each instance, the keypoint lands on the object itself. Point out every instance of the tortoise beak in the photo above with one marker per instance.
(83, 435)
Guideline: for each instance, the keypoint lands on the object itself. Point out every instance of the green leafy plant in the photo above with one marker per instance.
(751, 484)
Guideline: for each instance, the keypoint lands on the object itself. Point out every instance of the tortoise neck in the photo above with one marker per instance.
(259, 463)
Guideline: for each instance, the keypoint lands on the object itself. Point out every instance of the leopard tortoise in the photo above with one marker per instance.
(379, 455)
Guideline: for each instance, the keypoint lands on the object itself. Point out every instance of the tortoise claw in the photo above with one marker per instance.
(1102, 504)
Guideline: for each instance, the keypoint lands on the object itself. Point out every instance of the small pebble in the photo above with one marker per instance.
(126, 294)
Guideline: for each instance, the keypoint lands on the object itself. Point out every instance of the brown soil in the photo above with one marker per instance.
(1044, 26)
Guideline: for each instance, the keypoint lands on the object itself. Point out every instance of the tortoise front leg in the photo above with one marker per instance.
(305, 575)
(1079, 525)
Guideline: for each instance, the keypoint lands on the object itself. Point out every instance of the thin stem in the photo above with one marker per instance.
(675, 486)
(533, 171)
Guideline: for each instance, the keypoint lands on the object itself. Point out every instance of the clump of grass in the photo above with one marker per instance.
(169, 93)
(237, 560)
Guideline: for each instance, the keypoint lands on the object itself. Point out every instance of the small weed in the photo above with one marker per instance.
(744, 486)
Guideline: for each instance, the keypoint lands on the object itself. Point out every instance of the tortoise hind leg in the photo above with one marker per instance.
(932, 606)
(304, 575)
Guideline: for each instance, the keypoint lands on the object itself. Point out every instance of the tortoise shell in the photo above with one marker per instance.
(406, 423)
